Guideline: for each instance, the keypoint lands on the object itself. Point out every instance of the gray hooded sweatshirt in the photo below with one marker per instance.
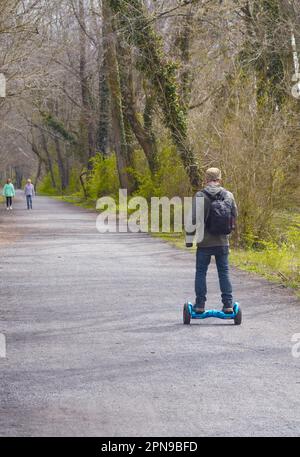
(209, 240)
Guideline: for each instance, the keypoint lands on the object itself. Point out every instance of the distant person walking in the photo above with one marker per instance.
(9, 192)
(29, 192)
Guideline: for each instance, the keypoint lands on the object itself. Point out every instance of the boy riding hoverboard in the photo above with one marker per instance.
(220, 213)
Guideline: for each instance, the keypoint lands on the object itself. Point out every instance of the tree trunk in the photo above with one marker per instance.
(87, 132)
(38, 173)
(183, 42)
(116, 99)
(82, 174)
(19, 176)
(143, 136)
(104, 103)
(49, 161)
(61, 166)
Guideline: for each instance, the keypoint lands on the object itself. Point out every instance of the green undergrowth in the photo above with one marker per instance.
(277, 261)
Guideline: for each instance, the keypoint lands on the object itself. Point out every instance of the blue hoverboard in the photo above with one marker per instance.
(189, 313)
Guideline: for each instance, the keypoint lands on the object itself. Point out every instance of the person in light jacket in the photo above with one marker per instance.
(9, 193)
(29, 193)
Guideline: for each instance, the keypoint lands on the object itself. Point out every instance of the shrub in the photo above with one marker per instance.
(103, 179)
(45, 185)
(170, 180)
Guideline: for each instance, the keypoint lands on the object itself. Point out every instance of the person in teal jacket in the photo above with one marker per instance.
(9, 193)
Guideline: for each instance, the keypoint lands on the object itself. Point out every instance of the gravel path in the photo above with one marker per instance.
(96, 345)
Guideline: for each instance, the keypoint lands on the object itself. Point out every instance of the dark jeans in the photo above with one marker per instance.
(29, 201)
(8, 201)
(202, 263)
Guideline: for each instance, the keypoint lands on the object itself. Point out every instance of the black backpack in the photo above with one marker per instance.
(220, 220)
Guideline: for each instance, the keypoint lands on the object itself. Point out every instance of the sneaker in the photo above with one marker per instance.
(10, 207)
(7, 209)
(227, 309)
(199, 309)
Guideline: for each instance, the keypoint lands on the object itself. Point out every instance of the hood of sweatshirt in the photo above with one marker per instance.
(213, 190)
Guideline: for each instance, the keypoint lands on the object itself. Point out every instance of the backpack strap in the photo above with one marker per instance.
(207, 194)
(223, 194)
(208, 198)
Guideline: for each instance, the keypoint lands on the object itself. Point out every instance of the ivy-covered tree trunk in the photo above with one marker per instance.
(104, 104)
(113, 73)
(148, 115)
(143, 136)
(183, 43)
(162, 75)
